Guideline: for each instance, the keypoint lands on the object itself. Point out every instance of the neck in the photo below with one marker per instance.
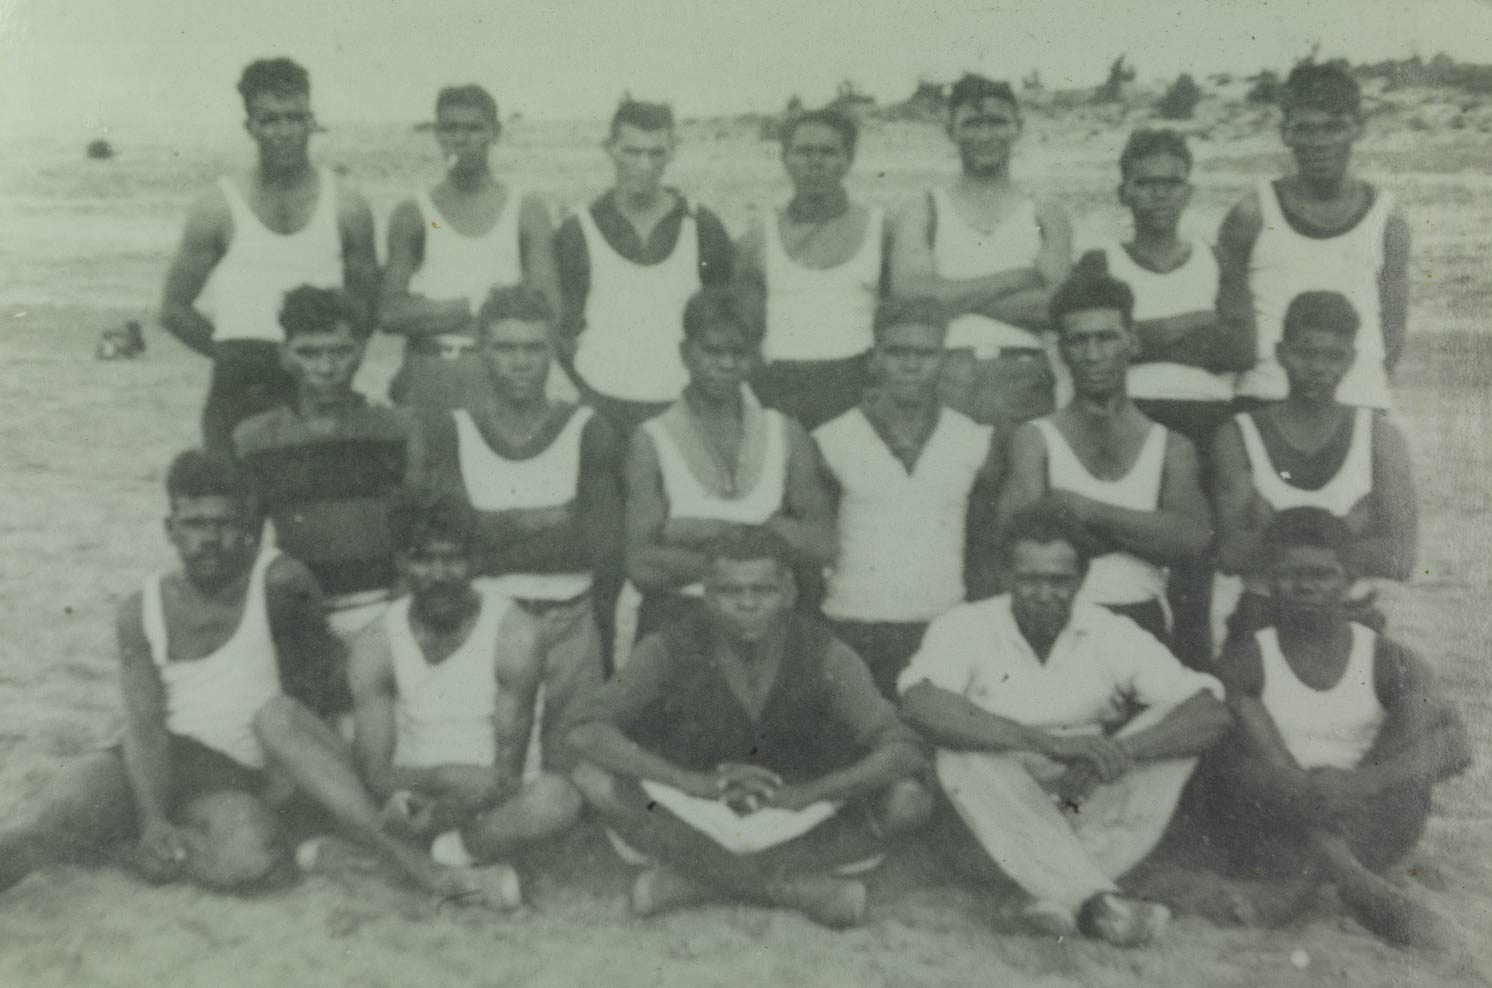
(994, 179)
(321, 406)
(228, 590)
(469, 179)
(1300, 406)
(1155, 242)
(1308, 629)
(702, 404)
(1041, 642)
(445, 624)
(284, 176)
(519, 406)
(751, 652)
(904, 409)
(818, 206)
(1325, 188)
(1106, 406)
(640, 201)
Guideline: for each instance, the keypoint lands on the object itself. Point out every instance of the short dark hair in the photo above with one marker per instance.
(469, 95)
(1325, 310)
(1316, 528)
(643, 116)
(716, 306)
(279, 76)
(308, 309)
(423, 514)
(829, 116)
(750, 543)
(522, 301)
(909, 310)
(1324, 86)
(199, 473)
(973, 88)
(1044, 522)
(1090, 286)
(1144, 143)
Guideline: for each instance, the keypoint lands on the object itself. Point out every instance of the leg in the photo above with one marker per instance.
(902, 807)
(572, 664)
(233, 841)
(246, 379)
(542, 808)
(83, 809)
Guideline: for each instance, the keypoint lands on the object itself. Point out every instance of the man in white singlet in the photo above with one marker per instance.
(444, 688)
(450, 246)
(1132, 483)
(818, 263)
(993, 255)
(1342, 734)
(1322, 228)
(1312, 450)
(227, 667)
(714, 461)
(915, 484)
(251, 239)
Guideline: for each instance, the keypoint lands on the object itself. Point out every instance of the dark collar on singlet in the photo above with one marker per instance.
(1314, 231)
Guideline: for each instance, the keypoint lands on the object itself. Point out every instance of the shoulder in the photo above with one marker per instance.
(533, 207)
(1240, 667)
(517, 631)
(351, 205)
(257, 432)
(913, 209)
(599, 434)
(407, 217)
(286, 577)
(129, 617)
(1244, 220)
(1029, 439)
(1179, 446)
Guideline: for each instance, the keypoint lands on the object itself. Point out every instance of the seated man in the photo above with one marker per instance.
(222, 664)
(1342, 733)
(1023, 693)
(443, 690)
(731, 736)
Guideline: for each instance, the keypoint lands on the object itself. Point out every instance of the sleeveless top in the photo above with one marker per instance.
(634, 317)
(248, 285)
(443, 713)
(1191, 287)
(821, 313)
(961, 251)
(459, 266)
(213, 700)
(548, 480)
(1285, 263)
(1115, 577)
(901, 535)
(1333, 727)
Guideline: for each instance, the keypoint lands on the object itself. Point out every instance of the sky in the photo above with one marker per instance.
(90, 66)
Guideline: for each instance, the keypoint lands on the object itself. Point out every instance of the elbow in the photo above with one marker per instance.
(584, 739)
(914, 710)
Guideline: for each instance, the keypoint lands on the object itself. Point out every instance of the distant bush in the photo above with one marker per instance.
(1181, 100)
(1266, 88)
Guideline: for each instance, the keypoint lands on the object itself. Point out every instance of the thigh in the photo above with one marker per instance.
(247, 379)
(197, 770)
(88, 805)
(233, 839)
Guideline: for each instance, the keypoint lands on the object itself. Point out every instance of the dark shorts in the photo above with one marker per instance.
(197, 770)
(247, 379)
(1196, 420)
(429, 380)
(884, 646)
(812, 391)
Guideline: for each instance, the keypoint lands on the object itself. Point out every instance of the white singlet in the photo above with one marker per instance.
(549, 479)
(1189, 288)
(459, 266)
(1115, 577)
(821, 313)
(1333, 727)
(1285, 263)
(248, 285)
(634, 317)
(961, 251)
(901, 535)
(443, 713)
(213, 700)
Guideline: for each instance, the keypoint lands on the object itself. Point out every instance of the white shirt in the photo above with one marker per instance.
(1331, 727)
(456, 265)
(821, 313)
(963, 251)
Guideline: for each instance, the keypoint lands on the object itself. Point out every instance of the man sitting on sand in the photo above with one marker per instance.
(444, 688)
(736, 732)
(1342, 733)
(1025, 696)
(225, 665)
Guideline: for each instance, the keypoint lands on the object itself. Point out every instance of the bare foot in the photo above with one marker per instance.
(659, 890)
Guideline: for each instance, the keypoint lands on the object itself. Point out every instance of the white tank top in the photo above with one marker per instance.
(1324, 728)
(634, 317)
(1189, 288)
(458, 266)
(821, 313)
(443, 714)
(549, 480)
(961, 251)
(1285, 263)
(901, 535)
(248, 286)
(213, 700)
(1115, 577)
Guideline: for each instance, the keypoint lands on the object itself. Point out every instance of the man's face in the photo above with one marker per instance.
(1308, 582)
(281, 124)
(215, 538)
(907, 360)
(1044, 579)
(438, 573)
(985, 131)
(747, 598)
(1321, 142)
(719, 360)
(323, 363)
(1315, 361)
(816, 159)
(1156, 190)
(465, 133)
(1097, 348)
(640, 157)
(517, 353)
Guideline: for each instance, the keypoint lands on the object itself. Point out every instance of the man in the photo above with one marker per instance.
(326, 464)
(915, 482)
(1341, 736)
(818, 264)
(257, 235)
(732, 736)
(1312, 450)
(540, 477)
(627, 265)
(1024, 695)
(443, 690)
(992, 255)
(1131, 483)
(713, 461)
(1322, 228)
(449, 247)
(223, 662)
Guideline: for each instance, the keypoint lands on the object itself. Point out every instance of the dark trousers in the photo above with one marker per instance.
(885, 646)
(812, 391)
(247, 378)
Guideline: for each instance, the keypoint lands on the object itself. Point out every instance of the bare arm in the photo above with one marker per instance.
(1027, 307)
(536, 241)
(602, 512)
(1191, 727)
(1193, 339)
(405, 313)
(203, 244)
(949, 720)
(1386, 524)
(652, 563)
(359, 256)
(1233, 495)
(1025, 476)
(749, 275)
(981, 538)
(808, 522)
(1235, 300)
(1393, 289)
(312, 659)
(912, 271)
(519, 668)
(146, 745)
(371, 671)
(1435, 745)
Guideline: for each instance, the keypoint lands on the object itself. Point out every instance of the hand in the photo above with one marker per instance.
(1077, 784)
(161, 854)
(1108, 757)
(1076, 505)
(746, 785)
(1261, 513)
(409, 815)
(794, 796)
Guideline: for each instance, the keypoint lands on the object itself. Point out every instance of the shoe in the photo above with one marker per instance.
(1122, 922)
(497, 886)
(1049, 919)
(837, 903)
(661, 890)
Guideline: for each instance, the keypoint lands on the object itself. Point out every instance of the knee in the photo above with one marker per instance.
(554, 800)
(276, 719)
(236, 844)
(904, 806)
(595, 785)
